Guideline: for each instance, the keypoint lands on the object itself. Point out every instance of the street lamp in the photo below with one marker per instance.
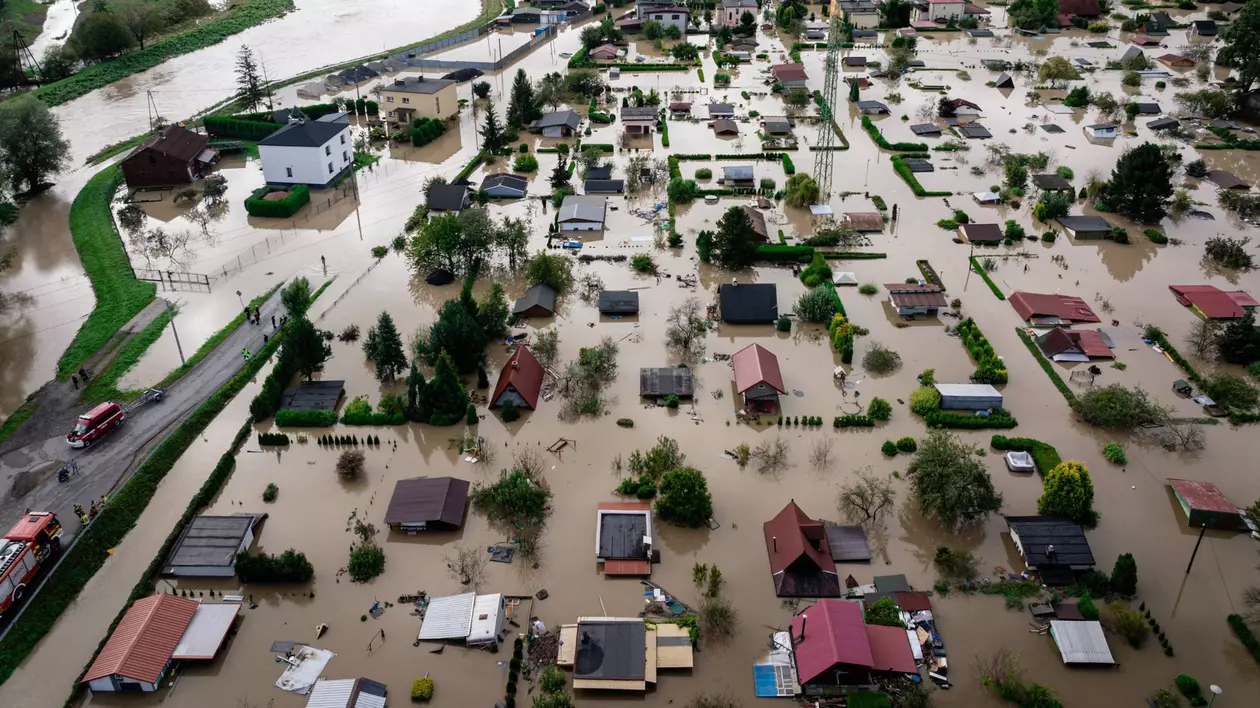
(1216, 691)
(238, 297)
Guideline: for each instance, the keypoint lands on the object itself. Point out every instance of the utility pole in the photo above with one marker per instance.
(970, 260)
(1202, 530)
(171, 315)
(267, 84)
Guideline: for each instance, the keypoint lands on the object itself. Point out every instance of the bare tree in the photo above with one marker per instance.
(820, 453)
(1183, 436)
(351, 463)
(1202, 337)
(771, 455)
(686, 326)
(467, 564)
(1251, 600)
(868, 497)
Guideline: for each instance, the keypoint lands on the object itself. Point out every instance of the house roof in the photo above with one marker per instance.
(1213, 302)
(659, 10)
(753, 365)
(540, 295)
(831, 632)
(1051, 182)
(967, 390)
(718, 109)
(777, 126)
(913, 601)
(925, 129)
(1174, 59)
(1130, 54)
(428, 499)
(175, 142)
(680, 107)
(1004, 80)
(848, 543)
(622, 526)
(1038, 533)
(604, 172)
(864, 220)
(749, 303)
(855, 61)
(1066, 307)
(523, 371)
(1147, 108)
(204, 635)
(789, 72)
(1089, 342)
(144, 640)
(1202, 496)
(889, 649)
(448, 617)
(506, 181)
(604, 50)
(876, 106)
(1081, 642)
(919, 164)
(1162, 123)
(346, 693)
(740, 3)
(664, 380)
(909, 295)
(644, 113)
(418, 84)
(212, 541)
(957, 103)
(447, 197)
(738, 172)
(604, 186)
(556, 119)
(618, 302)
(1145, 40)
(792, 536)
(312, 133)
(982, 233)
(1087, 224)
(725, 126)
(758, 220)
(1227, 180)
(611, 649)
(583, 208)
(974, 130)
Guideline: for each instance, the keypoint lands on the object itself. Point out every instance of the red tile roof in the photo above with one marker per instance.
(753, 365)
(828, 633)
(1213, 302)
(1066, 307)
(1202, 496)
(913, 601)
(524, 374)
(890, 649)
(789, 72)
(1091, 344)
(144, 640)
(792, 535)
(1085, 8)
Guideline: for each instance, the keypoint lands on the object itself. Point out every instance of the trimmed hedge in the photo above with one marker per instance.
(788, 167)
(273, 439)
(989, 368)
(902, 169)
(1046, 366)
(288, 567)
(873, 131)
(376, 418)
(230, 127)
(777, 252)
(1044, 455)
(306, 419)
(298, 197)
(426, 130)
(852, 256)
(987, 281)
(1245, 635)
(852, 421)
(999, 418)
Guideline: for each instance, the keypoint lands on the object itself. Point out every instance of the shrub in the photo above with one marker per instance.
(685, 498)
(1048, 237)
(525, 163)
(889, 448)
(924, 401)
(1087, 607)
(351, 463)
(704, 173)
(868, 288)
(288, 567)
(273, 439)
(422, 689)
(305, 419)
(509, 413)
(671, 401)
(642, 263)
(783, 324)
(1069, 493)
(1114, 453)
(881, 360)
(989, 368)
(879, 409)
(270, 493)
(297, 197)
(907, 444)
(1124, 575)
(367, 560)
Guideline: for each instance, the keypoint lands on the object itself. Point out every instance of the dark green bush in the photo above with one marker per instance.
(273, 439)
(288, 567)
(889, 448)
(306, 419)
(966, 421)
(907, 444)
(228, 127)
(852, 421)
(298, 197)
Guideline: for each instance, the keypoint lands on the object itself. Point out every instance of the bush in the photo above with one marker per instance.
(889, 448)
(1124, 575)
(270, 493)
(671, 401)
(367, 560)
(509, 413)
(685, 498)
(881, 360)
(1114, 453)
(868, 288)
(879, 409)
(907, 444)
(1068, 493)
(525, 163)
(305, 419)
(704, 173)
(783, 324)
(351, 463)
(1118, 407)
(273, 439)
(228, 127)
(1087, 607)
(642, 263)
(422, 689)
(298, 196)
(924, 401)
(288, 567)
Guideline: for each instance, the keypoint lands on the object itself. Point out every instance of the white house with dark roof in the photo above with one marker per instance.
(313, 153)
(732, 11)
(668, 16)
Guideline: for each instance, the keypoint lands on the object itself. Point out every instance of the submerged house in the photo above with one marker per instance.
(834, 648)
(176, 156)
(476, 619)
(910, 299)
(1046, 310)
(1206, 506)
(661, 381)
(208, 546)
(618, 302)
(801, 563)
(623, 538)
(520, 381)
(619, 654)
(758, 379)
(1087, 227)
(751, 303)
(968, 397)
(1211, 302)
(1055, 548)
(990, 234)
(558, 124)
(538, 301)
(1074, 345)
(347, 693)
(427, 504)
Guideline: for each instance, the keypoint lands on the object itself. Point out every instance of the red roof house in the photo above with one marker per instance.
(1212, 302)
(520, 381)
(140, 649)
(1046, 310)
(1084, 8)
(1073, 345)
(1204, 504)
(832, 645)
(789, 74)
(757, 377)
(800, 555)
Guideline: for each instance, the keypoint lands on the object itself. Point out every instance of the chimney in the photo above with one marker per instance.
(775, 540)
(399, 82)
(1050, 551)
(804, 618)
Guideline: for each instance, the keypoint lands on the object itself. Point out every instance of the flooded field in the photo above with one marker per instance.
(1127, 282)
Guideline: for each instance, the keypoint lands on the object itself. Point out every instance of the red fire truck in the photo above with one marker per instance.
(30, 544)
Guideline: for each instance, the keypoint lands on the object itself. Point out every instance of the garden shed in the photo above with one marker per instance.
(1081, 643)
(427, 504)
(1205, 505)
(969, 397)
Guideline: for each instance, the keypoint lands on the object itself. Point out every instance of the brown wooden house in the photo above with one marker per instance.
(176, 156)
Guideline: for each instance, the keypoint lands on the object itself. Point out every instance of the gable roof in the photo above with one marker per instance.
(523, 372)
(1038, 533)
(789, 72)
(428, 499)
(604, 50)
(737, 172)
(925, 129)
(777, 126)
(866, 106)
(604, 172)
(981, 233)
(754, 364)
(309, 134)
(175, 142)
(1213, 302)
(750, 303)
(1089, 342)
(447, 197)
(604, 186)
(556, 119)
(506, 181)
(725, 126)
(758, 220)
(1085, 8)
(644, 113)
(1164, 123)
(541, 295)
(864, 220)
(914, 295)
(618, 302)
(791, 535)
(144, 640)
(583, 208)
(1066, 307)
(1087, 224)
(717, 109)
(975, 130)
(1227, 180)
(1202, 496)
(1051, 182)
(889, 649)
(1204, 28)
(662, 381)
(830, 632)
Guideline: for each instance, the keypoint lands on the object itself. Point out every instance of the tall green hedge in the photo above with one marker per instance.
(229, 127)
(777, 252)
(426, 130)
(299, 196)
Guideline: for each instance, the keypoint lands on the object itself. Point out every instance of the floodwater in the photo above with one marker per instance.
(1127, 284)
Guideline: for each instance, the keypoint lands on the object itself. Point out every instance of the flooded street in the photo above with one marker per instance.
(1129, 283)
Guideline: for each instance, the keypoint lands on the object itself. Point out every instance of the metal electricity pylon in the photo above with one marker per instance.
(826, 140)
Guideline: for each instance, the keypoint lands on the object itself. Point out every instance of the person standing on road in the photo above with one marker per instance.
(273, 321)
(75, 379)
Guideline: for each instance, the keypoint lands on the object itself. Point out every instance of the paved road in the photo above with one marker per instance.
(109, 462)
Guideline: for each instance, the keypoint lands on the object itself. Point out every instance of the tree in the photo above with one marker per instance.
(736, 240)
(685, 51)
(445, 395)
(1124, 575)
(32, 148)
(1141, 184)
(1239, 342)
(1202, 338)
(58, 62)
(492, 136)
(132, 218)
(686, 326)
(481, 89)
(884, 612)
(249, 90)
(142, 20)
(672, 32)
(306, 347)
(1034, 14)
(867, 497)
(417, 404)
(704, 245)
(350, 464)
(296, 297)
(438, 243)
(552, 269)
(1118, 407)
(747, 23)
(458, 333)
(101, 35)
(1231, 391)
(512, 237)
(1241, 48)
(1229, 252)
(1054, 205)
(950, 482)
(652, 30)
(819, 304)
(384, 347)
(684, 498)
(523, 106)
(855, 92)
(547, 347)
(1206, 102)
(801, 190)
(1056, 71)
(1068, 493)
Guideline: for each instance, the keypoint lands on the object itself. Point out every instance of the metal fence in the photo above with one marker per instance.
(548, 33)
(172, 278)
(285, 233)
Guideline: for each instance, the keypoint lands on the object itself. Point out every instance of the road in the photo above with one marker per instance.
(110, 462)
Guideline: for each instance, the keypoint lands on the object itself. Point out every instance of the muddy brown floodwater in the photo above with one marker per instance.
(1138, 513)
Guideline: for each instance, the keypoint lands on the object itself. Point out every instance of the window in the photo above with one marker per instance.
(328, 150)
(330, 168)
(345, 156)
(673, 17)
(288, 172)
(389, 99)
(343, 138)
(406, 99)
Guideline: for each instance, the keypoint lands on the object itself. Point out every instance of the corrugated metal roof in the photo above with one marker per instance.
(448, 617)
(1202, 496)
(331, 694)
(143, 641)
(969, 390)
(205, 633)
(1081, 642)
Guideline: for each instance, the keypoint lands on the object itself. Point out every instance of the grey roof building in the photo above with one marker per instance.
(445, 198)
(583, 212)
(872, 107)
(721, 110)
(925, 129)
(1163, 123)
(427, 504)
(738, 173)
(618, 302)
(504, 185)
(1051, 182)
(1055, 548)
(662, 381)
(974, 130)
(418, 84)
(311, 133)
(538, 301)
(604, 172)
(565, 120)
(208, 546)
(604, 186)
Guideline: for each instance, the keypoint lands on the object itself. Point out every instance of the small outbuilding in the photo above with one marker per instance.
(346, 693)
(910, 299)
(1102, 131)
(604, 186)
(1165, 123)
(758, 378)
(1206, 506)
(582, 213)
(618, 302)
(208, 546)
(1081, 643)
(750, 303)
(1203, 28)
(1004, 80)
(1051, 310)
(1085, 345)
(872, 108)
(475, 619)
(721, 110)
(974, 130)
(538, 301)
(427, 504)
(1227, 180)
(1052, 183)
(918, 164)
(739, 176)
(981, 233)
(661, 381)
(1087, 227)
(558, 124)
(176, 156)
(925, 129)
(986, 197)
(1055, 548)
(141, 650)
(864, 221)
(725, 126)
(520, 381)
(623, 538)
(504, 186)
(1211, 302)
(447, 199)
(969, 397)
